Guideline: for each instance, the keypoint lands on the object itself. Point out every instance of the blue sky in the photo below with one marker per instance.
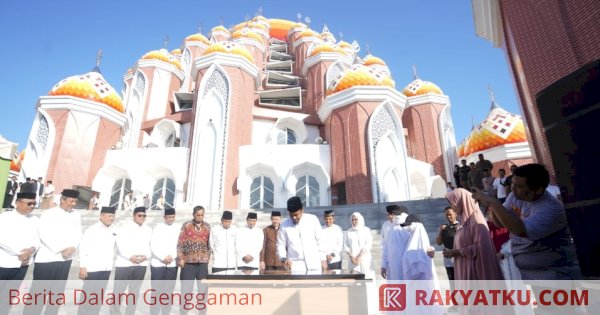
(43, 42)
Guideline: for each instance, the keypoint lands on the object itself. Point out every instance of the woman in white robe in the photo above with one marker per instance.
(357, 244)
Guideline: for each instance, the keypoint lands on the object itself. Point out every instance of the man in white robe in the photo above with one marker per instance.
(333, 241)
(60, 234)
(163, 265)
(96, 257)
(249, 244)
(299, 242)
(18, 242)
(133, 254)
(388, 224)
(394, 247)
(222, 244)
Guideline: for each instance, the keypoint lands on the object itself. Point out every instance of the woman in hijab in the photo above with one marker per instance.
(474, 253)
(358, 244)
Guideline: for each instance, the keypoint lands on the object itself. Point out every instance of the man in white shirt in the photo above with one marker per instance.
(299, 242)
(499, 185)
(163, 266)
(18, 242)
(96, 256)
(133, 253)
(388, 224)
(249, 244)
(333, 241)
(60, 234)
(222, 244)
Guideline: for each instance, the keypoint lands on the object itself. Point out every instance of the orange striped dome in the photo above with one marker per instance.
(279, 28)
(162, 55)
(420, 87)
(15, 164)
(359, 75)
(229, 48)
(197, 38)
(247, 33)
(371, 60)
(308, 33)
(324, 47)
(89, 86)
(220, 28)
(498, 128)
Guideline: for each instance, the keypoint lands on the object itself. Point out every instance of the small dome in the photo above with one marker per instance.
(15, 164)
(359, 75)
(229, 48)
(247, 33)
(162, 55)
(345, 45)
(89, 86)
(420, 87)
(279, 28)
(323, 47)
(371, 60)
(176, 52)
(308, 33)
(498, 128)
(220, 28)
(197, 38)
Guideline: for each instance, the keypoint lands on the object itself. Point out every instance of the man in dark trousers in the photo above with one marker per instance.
(11, 188)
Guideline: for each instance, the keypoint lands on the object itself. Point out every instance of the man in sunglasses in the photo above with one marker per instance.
(133, 247)
(18, 242)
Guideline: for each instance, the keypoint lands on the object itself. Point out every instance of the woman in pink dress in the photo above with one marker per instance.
(474, 253)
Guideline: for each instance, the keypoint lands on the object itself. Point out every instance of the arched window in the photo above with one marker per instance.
(307, 188)
(261, 193)
(286, 136)
(165, 188)
(171, 140)
(119, 190)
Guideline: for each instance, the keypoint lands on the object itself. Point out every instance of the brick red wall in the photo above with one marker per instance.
(423, 135)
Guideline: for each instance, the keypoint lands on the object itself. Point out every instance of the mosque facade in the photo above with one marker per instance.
(246, 117)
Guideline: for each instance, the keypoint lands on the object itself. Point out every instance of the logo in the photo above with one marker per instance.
(392, 297)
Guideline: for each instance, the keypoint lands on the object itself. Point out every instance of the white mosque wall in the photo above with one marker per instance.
(284, 164)
(143, 167)
(421, 178)
(263, 131)
(159, 94)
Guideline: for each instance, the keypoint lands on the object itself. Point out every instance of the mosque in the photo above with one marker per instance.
(245, 118)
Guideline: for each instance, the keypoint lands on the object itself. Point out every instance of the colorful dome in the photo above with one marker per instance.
(15, 164)
(229, 48)
(308, 33)
(279, 28)
(247, 33)
(197, 38)
(371, 60)
(345, 45)
(323, 47)
(420, 87)
(176, 52)
(220, 28)
(162, 55)
(89, 86)
(359, 75)
(498, 128)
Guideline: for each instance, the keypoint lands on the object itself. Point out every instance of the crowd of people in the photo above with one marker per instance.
(519, 232)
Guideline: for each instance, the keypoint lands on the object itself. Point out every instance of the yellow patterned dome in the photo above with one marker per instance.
(420, 87)
(498, 128)
(197, 38)
(229, 48)
(324, 47)
(89, 86)
(176, 52)
(220, 28)
(308, 33)
(371, 60)
(247, 33)
(359, 75)
(345, 45)
(162, 55)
